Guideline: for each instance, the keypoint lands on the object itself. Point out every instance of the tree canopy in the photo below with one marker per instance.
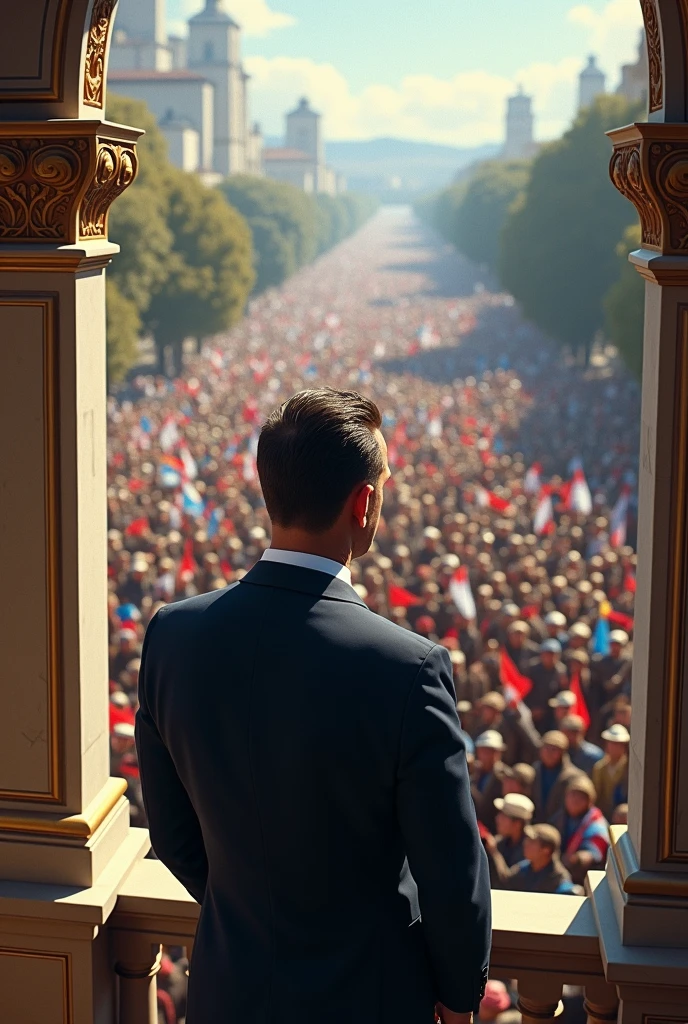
(625, 305)
(558, 253)
(480, 216)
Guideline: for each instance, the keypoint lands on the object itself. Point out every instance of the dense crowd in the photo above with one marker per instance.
(507, 531)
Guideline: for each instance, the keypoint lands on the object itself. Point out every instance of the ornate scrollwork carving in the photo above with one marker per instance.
(94, 73)
(654, 54)
(39, 185)
(627, 175)
(115, 170)
(668, 167)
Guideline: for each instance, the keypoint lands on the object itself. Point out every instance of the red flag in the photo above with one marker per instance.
(622, 620)
(137, 527)
(630, 581)
(517, 687)
(187, 565)
(580, 707)
(399, 597)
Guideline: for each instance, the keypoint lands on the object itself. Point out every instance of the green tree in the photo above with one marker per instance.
(292, 210)
(123, 329)
(625, 305)
(210, 268)
(479, 219)
(273, 255)
(558, 245)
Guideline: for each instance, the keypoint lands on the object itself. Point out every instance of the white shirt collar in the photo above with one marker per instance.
(306, 561)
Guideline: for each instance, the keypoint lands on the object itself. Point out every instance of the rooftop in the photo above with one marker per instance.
(283, 153)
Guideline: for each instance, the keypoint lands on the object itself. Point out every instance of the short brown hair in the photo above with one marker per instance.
(313, 451)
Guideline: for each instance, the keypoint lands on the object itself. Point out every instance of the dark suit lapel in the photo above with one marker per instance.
(306, 581)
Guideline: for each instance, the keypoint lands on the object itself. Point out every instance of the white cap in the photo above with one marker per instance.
(619, 636)
(432, 533)
(581, 629)
(565, 699)
(516, 805)
(617, 734)
(490, 739)
(555, 619)
(124, 730)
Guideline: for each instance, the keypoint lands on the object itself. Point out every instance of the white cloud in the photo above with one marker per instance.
(467, 109)
(256, 17)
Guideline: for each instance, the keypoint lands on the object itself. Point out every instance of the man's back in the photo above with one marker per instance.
(295, 748)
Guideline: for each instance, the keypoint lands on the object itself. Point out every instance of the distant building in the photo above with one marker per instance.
(301, 161)
(520, 141)
(591, 84)
(634, 77)
(195, 85)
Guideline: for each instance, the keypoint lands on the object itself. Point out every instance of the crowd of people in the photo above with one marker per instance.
(507, 530)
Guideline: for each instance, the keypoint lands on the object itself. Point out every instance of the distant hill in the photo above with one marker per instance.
(400, 168)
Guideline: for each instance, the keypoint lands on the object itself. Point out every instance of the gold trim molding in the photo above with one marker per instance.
(94, 70)
(653, 40)
(635, 882)
(48, 304)
(66, 961)
(58, 179)
(76, 826)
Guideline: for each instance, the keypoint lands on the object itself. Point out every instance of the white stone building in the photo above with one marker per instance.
(520, 142)
(196, 87)
(301, 161)
(592, 83)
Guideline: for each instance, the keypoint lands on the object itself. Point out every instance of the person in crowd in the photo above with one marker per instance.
(610, 774)
(521, 738)
(583, 828)
(542, 869)
(514, 812)
(497, 1006)
(553, 772)
(548, 676)
(517, 778)
(486, 775)
(584, 755)
(561, 705)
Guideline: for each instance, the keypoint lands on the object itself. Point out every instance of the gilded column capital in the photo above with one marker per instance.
(58, 179)
(649, 166)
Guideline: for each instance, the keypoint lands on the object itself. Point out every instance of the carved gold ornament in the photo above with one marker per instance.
(94, 72)
(654, 54)
(649, 167)
(58, 188)
(115, 170)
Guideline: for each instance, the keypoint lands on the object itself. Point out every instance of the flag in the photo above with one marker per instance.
(399, 597)
(461, 594)
(580, 707)
(146, 425)
(168, 476)
(532, 482)
(579, 498)
(602, 631)
(187, 565)
(516, 686)
(543, 521)
(137, 527)
(169, 435)
(630, 583)
(192, 502)
(487, 499)
(619, 519)
(216, 517)
(622, 620)
(190, 469)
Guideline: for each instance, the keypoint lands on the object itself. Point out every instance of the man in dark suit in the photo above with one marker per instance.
(321, 814)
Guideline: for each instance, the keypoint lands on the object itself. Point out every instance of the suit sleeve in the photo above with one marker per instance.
(441, 837)
(175, 830)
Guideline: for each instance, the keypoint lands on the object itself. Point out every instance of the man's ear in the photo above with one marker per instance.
(360, 505)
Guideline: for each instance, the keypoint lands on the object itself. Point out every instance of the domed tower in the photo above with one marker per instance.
(304, 132)
(215, 53)
(591, 83)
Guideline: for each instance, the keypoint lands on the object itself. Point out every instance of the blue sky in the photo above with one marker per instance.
(437, 70)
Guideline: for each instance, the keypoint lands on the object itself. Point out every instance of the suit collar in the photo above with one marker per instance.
(305, 581)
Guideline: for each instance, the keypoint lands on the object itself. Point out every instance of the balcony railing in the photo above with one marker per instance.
(542, 942)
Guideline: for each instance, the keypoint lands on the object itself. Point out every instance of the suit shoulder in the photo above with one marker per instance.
(182, 614)
(402, 643)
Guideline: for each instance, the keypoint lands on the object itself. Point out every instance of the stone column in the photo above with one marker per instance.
(644, 901)
(138, 1003)
(65, 841)
(539, 999)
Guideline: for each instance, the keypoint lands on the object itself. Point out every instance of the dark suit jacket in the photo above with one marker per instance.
(295, 750)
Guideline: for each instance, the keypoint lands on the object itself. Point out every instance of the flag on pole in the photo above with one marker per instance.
(543, 521)
(488, 499)
(532, 482)
(189, 463)
(601, 642)
(216, 517)
(168, 476)
(580, 707)
(579, 498)
(192, 502)
(169, 435)
(187, 565)
(516, 686)
(619, 519)
(399, 597)
(461, 594)
(137, 527)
